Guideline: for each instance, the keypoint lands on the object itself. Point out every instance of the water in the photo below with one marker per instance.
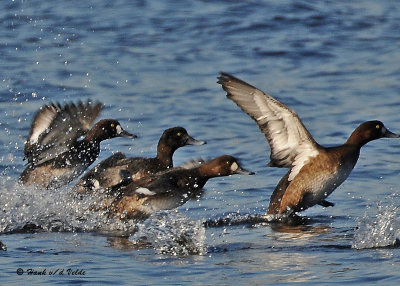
(154, 64)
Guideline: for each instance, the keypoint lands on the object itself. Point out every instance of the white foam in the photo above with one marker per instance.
(56, 210)
(171, 233)
(381, 229)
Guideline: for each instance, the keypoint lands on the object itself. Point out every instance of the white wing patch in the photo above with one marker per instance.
(145, 191)
(41, 124)
(285, 132)
(290, 142)
(303, 156)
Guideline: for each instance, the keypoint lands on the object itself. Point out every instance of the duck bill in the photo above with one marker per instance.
(388, 134)
(242, 171)
(192, 141)
(126, 134)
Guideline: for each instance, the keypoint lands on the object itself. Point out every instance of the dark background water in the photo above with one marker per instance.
(154, 64)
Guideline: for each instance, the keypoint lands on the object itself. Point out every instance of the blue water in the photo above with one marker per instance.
(154, 64)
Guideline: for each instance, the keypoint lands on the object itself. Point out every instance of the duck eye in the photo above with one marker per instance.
(112, 125)
(377, 126)
(179, 134)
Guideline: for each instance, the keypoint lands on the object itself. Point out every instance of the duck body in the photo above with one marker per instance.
(314, 182)
(119, 169)
(171, 188)
(3, 246)
(161, 192)
(63, 168)
(314, 171)
(54, 152)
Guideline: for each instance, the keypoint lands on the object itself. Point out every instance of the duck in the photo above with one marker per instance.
(171, 188)
(3, 247)
(61, 145)
(314, 171)
(118, 169)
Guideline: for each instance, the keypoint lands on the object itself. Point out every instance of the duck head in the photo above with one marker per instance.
(178, 137)
(107, 129)
(368, 131)
(224, 166)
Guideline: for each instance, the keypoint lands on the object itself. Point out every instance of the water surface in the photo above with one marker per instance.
(154, 64)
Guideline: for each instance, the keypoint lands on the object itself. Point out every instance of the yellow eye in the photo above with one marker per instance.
(378, 126)
(179, 134)
(112, 125)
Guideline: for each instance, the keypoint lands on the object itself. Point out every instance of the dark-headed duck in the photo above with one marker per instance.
(118, 169)
(54, 152)
(3, 246)
(171, 188)
(314, 171)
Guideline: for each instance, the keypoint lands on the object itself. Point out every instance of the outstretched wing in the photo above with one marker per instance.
(290, 142)
(55, 127)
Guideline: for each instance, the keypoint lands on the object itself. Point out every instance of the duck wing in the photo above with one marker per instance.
(113, 160)
(192, 163)
(55, 128)
(156, 184)
(290, 142)
(100, 169)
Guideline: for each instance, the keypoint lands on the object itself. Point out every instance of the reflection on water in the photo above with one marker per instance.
(300, 230)
(278, 223)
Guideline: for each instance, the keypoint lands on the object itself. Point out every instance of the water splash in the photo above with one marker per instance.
(36, 209)
(171, 233)
(29, 208)
(381, 229)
